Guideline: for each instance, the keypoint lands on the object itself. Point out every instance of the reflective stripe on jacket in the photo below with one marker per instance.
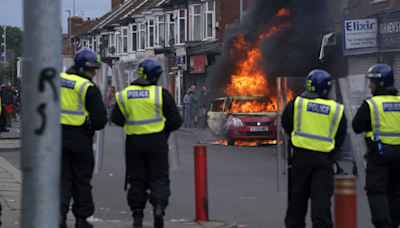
(316, 122)
(142, 108)
(385, 119)
(73, 97)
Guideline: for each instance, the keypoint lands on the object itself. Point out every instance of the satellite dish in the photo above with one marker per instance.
(111, 49)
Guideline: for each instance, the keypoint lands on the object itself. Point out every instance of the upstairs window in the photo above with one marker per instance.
(209, 19)
(117, 42)
(134, 38)
(160, 38)
(95, 44)
(181, 27)
(124, 41)
(142, 36)
(111, 42)
(150, 33)
(195, 22)
(170, 26)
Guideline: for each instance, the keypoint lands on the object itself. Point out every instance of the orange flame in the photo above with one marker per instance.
(249, 79)
(220, 142)
(245, 143)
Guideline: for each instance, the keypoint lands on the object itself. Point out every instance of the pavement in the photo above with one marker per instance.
(11, 190)
(241, 186)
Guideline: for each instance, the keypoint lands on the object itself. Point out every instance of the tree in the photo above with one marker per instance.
(14, 38)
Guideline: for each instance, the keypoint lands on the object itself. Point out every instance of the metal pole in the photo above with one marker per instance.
(41, 136)
(5, 51)
(241, 9)
(70, 33)
(12, 65)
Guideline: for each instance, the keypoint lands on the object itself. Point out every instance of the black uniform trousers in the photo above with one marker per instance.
(76, 173)
(383, 186)
(311, 176)
(147, 169)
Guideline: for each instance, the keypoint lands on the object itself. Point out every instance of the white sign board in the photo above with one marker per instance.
(361, 33)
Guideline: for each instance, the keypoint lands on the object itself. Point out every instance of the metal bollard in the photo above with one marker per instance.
(345, 201)
(200, 175)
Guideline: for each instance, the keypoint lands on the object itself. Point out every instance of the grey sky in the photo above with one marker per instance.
(11, 11)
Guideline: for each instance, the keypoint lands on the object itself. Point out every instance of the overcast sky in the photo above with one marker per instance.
(11, 11)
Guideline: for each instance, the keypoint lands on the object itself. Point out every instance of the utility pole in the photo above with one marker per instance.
(41, 137)
(70, 33)
(5, 52)
(12, 65)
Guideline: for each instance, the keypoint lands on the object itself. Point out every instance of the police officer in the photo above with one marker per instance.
(379, 117)
(148, 114)
(317, 127)
(82, 112)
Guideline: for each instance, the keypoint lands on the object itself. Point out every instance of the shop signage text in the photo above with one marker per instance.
(361, 33)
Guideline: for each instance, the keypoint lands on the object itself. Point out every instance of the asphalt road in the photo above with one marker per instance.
(241, 184)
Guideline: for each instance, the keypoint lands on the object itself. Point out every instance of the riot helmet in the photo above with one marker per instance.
(86, 60)
(150, 70)
(318, 84)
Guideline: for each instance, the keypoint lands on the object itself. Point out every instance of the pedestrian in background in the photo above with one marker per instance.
(317, 127)
(148, 113)
(7, 100)
(194, 105)
(82, 113)
(379, 117)
(186, 100)
(111, 103)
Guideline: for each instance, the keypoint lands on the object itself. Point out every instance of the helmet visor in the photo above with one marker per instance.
(94, 65)
(373, 75)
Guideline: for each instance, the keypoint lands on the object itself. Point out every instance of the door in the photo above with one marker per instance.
(215, 117)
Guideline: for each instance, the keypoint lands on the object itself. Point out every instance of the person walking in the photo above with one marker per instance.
(317, 127)
(186, 100)
(111, 103)
(148, 113)
(82, 112)
(379, 117)
(194, 105)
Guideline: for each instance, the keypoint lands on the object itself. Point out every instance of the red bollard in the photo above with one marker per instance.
(200, 175)
(345, 201)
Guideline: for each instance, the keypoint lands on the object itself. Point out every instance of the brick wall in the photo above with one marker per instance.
(78, 24)
(365, 9)
(226, 13)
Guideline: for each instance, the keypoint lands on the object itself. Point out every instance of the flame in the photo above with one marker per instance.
(220, 142)
(245, 143)
(282, 12)
(249, 79)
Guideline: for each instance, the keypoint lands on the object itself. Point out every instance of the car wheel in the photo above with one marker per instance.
(230, 141)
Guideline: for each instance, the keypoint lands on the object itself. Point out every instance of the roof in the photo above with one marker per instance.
(137, 7)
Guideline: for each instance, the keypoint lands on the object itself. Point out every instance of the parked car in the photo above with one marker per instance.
(229, 118)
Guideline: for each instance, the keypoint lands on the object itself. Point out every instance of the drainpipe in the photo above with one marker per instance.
(351, 7)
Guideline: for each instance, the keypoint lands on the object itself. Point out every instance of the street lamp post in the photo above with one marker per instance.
(69, 33)
(5, 52)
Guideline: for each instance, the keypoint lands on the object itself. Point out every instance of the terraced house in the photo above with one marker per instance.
(185, 34)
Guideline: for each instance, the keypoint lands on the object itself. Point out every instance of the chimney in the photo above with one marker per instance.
(115, 3)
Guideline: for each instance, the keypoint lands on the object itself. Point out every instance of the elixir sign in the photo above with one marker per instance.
(360, 33)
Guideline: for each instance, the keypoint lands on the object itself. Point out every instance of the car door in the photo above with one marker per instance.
(215, 117)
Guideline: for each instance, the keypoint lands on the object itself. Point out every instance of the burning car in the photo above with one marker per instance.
(243, 119)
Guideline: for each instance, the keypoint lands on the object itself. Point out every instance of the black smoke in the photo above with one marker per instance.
(292, 51)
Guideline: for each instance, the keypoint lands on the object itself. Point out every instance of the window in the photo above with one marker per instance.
(89, 43)
(181, 27)
(142, 36)
(104, 47)
(150, 33)
(95, 44)
(161, 31)
(195, 22)
(209, 19)
(111, 42)
(117, 43)
(84, 44)
(134, 38)
(170, 26)
(124, 41)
